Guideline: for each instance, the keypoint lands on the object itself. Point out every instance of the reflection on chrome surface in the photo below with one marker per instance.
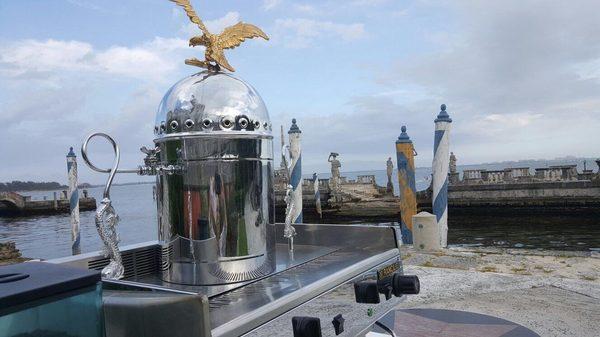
(216, 212)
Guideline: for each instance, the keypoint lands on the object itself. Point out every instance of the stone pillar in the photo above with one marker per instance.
(296, 171)
(405, 155)
(426, 232)
(73, 197)
(441, 159)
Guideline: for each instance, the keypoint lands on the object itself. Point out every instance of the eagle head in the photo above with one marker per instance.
(199, 40)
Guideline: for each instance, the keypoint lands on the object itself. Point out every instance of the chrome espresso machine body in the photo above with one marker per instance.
(221, 266)
(215, 203)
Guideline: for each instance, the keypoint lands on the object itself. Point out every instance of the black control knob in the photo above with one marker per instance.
(306, 326)
(366, 291)
(338, 324)
(405, 285)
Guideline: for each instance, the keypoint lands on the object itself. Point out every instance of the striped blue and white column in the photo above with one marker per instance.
(405, 156)
(73, 196)
(296, 171)
(441, 161)
(317, 195)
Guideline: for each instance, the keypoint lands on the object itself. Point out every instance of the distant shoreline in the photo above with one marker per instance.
(39, 187)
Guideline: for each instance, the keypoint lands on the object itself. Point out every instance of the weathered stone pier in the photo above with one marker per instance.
(12, 203)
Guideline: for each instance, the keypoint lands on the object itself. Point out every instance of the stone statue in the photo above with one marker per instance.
(390, 170)
(334, 182)
(452, 163)
(453, 174)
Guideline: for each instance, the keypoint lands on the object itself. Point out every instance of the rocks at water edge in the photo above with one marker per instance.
(9, 253)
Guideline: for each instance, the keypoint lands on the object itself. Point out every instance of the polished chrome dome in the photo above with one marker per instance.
(211, 102)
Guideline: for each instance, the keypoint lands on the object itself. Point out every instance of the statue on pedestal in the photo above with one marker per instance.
(452, 174)
(334, 182)
(390, 170)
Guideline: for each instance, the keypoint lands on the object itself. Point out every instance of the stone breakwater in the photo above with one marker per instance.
(9, 253)
(551, 292)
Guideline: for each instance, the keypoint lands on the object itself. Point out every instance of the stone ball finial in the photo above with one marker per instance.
(443, 115)
(294, 128)
(403, 138)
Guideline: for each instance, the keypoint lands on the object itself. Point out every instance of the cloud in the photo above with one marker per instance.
(305, 8)
(300, 33)
(55, 92)
(270, 4)
(214, 26)
(33, 58)
(512, 71)
(368, 2)
(229, 19)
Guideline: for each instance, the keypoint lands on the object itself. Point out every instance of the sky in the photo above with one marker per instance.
(521, 79)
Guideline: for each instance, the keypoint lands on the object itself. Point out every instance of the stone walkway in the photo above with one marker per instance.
(551, 293)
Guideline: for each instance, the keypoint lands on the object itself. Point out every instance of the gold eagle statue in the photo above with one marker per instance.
(230, 38)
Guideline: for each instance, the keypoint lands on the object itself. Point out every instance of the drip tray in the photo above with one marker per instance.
(302, 254)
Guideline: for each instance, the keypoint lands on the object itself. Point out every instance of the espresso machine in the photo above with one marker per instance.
(221, 265)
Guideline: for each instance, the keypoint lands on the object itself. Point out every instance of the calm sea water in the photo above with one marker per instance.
(50, 236)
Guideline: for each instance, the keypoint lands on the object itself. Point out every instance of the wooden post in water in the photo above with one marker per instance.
(405, 154)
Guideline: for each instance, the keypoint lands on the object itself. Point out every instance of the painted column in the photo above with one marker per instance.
(73, 196)
(405, 154)
(296, 171)
(441, 161)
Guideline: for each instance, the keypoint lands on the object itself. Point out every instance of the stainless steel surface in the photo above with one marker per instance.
(303, 254)
(325, 258)
(239, 311)
(216, 212)
(339, 300)
(215, 103)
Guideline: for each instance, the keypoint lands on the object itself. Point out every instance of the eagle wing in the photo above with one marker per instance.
(189, 10)
(234, 35)
(219, 57)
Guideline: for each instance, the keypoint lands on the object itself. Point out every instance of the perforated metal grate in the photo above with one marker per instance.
(137, 263)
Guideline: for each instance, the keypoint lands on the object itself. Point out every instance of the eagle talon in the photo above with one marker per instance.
(203, 64)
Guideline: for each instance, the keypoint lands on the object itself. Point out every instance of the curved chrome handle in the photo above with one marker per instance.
(112, 171)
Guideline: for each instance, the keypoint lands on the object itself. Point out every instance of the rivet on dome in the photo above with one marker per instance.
(226, 123)
(243, 122)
